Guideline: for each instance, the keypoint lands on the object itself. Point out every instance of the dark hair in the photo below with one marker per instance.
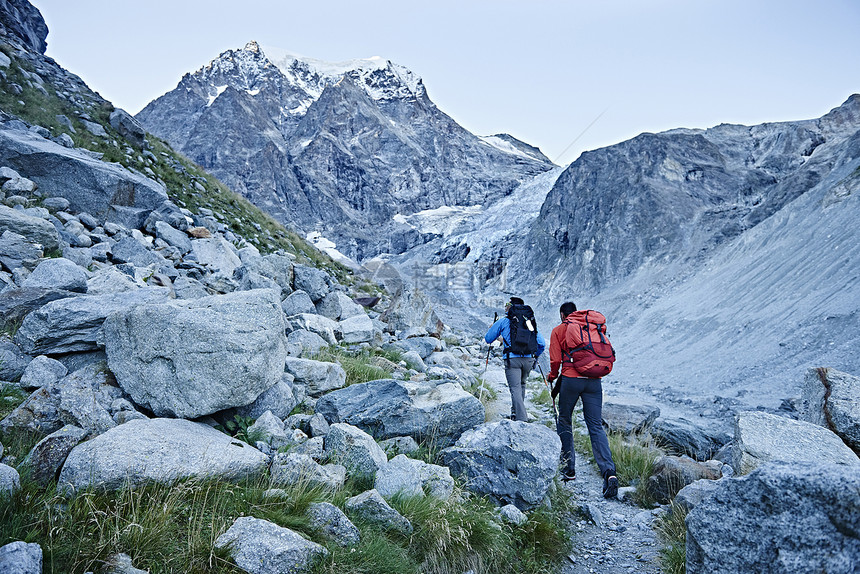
(517, 301)
(567, 308)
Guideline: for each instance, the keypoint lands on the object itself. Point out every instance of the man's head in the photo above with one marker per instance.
(516, 301)
(566, 309)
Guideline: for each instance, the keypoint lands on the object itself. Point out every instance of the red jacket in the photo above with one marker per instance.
(557, 347)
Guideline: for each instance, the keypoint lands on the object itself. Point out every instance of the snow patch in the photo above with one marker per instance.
(329, 247)
(219, 90)
(504, 146)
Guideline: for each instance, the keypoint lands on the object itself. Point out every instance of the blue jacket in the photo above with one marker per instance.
(502, 328)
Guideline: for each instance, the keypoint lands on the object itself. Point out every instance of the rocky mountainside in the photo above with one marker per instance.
(336, 148)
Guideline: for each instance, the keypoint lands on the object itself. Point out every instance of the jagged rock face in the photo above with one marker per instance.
(342, 152)
(21, 19)
(661, 198)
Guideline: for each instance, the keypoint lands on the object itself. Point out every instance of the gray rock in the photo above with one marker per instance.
(512, 462)
(411, 310)
(682, 437)
(279, 400)
(390, 408)
(188, 288)
(42, 464)
(628, 419)
(21, 558)
(762, 437)
(39, 413)
(10, 481)
(42, 371)
(302, 343)
(110, 280)
(399, 445)
(297, 302)
(7, 173)
(121, 564)
(193, 358)
(410, 477)
(173, 236)
(13, 361)
(355, 450)
(319, 377)
(82, 256)
(414, 360)
(691, 495)
(96, 129)
(783, 517)
(128, 127)
(18, 186)
(356, 329)
(296, 468)
(424, 346)
(260, 547)
(372, 508)
(16, 304)
(158, 450)
(104, 190)
(318, 426)
(268, 427)
(330, 521)
(325, 328)
(218, 254)
(57, 273)
(513, 515)
(829, 399)
(18, 251)
(310, 280)
(56, 203)
(35, 229)
(84, 397)
(130, 250)
(672, 473)
(314, 448)
(76, 324)
(338, 306)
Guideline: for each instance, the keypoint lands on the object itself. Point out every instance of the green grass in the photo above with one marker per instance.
(672, 532)
(634, 459)
(11, 396)
(358, 365)
(172, 529)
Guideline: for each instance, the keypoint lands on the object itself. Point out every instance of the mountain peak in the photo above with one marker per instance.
(252, 46)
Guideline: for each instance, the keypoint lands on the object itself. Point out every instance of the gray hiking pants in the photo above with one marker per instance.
(517, 370)
(591, 392)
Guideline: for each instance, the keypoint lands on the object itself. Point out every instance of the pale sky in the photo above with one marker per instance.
(544, 71)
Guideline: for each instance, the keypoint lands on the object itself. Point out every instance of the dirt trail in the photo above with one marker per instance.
(609, 536)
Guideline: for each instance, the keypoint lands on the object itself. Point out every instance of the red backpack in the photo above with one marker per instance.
(587, 344)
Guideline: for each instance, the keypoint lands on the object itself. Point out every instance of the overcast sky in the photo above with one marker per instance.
(564, 75)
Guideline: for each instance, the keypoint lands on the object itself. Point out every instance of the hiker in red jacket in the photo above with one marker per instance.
(580, 377)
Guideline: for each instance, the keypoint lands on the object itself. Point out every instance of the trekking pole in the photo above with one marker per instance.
(545, 382)
(486, 364)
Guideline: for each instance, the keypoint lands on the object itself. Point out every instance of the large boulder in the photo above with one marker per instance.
(35, 229)
(319, 377)
(296, 468)
(371, 507)
(355, 450)
(338, 306)
(312, 281)
(761, 437)
(42, 371)
(829, 399)
(279, 400)
(191, 358)
(794, 517)
(512, 462)
(17, 251)
(107, 191)
(683, 437)
(161, 451)
(76, 324)
(297, 302)
(672, 473)
(388, 408)
(43, 462)
(322, 326)
(21, 558)
(411, 312)
(356, 329)
(57, 273)
(410, 477)
(261, 547)
(128, 127)
(628, 419)
(10, 481)
(218, 254)
(329, 521)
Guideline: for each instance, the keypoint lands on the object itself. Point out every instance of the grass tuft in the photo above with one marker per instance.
(672, 532)
(358, 365)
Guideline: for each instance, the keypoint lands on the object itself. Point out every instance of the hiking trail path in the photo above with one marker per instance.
(608, 536)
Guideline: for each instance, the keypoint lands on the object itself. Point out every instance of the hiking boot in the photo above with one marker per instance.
(610, 487)
(568, 475)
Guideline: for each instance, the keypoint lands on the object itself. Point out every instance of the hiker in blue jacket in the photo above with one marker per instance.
(520, 354)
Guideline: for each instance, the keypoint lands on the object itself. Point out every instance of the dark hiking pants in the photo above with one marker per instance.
(591, 392)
